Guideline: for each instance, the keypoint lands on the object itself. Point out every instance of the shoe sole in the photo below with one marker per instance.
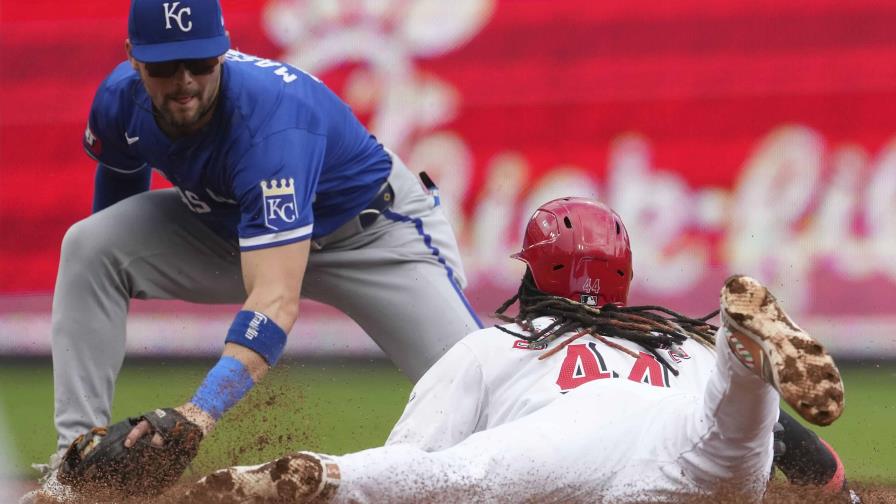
(796, 365)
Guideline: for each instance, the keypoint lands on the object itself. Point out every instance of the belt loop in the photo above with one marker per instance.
(431, 187)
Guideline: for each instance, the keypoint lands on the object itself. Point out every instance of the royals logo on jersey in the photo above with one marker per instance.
(279, 199)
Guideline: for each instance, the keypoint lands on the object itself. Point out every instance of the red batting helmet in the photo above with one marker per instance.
(578, 248)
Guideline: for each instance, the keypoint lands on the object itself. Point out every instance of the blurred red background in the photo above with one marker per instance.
(731, 136)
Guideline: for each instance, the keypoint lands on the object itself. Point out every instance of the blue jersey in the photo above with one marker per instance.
(283, 159)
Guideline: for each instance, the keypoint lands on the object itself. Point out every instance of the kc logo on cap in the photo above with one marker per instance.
(166, 30)
(169, 15)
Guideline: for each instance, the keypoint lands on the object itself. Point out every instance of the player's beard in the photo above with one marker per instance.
(183, 122)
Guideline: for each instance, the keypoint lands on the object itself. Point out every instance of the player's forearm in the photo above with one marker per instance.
(225, 385)
(257, 336)
(273, 279)
(110, 187)
(195, 414)
(255, 363)
(279, 303)
(254, 343)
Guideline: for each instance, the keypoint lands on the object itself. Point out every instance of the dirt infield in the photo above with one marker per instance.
(778, 493)
(782, 493)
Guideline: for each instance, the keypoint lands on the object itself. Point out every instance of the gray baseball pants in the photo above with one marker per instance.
(400, 279)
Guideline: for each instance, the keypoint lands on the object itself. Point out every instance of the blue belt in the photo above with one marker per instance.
(379, 204)
(365, 218)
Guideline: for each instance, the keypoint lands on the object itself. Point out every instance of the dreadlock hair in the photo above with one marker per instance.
(652, 327)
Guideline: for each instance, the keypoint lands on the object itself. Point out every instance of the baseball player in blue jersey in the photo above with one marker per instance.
(278, 190)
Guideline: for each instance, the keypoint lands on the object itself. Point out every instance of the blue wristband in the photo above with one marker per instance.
(258, 333)
(223, 387)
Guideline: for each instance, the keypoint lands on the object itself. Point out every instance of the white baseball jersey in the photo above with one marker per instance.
(491, 423)
(490, 378)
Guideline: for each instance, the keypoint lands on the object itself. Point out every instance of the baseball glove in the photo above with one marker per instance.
(99, 461)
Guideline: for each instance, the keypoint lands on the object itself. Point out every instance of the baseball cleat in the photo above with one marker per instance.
(297, 477)
(838, 484)
(764, 339)
(51, 491)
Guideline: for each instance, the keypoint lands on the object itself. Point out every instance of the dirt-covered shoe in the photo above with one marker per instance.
(301, 477)
(766, 340)
(807, 460)
(51, 490)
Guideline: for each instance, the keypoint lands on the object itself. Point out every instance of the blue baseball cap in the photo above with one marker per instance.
(174, 30)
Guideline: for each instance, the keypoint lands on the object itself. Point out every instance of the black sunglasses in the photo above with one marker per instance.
(166, 69)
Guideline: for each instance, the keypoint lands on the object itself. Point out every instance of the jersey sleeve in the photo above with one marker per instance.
(275, 184)
(445, 406)
(110, 187)
(104, 137)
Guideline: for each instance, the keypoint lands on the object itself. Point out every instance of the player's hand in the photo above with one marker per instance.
(188, 410)
(100, 458)
(141, 429)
